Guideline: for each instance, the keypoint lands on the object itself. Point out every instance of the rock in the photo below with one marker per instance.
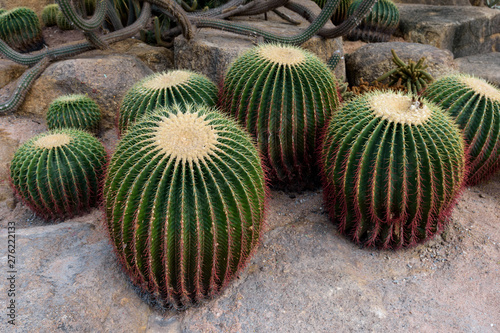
(9, 71)
(486, 66)
(36, 5)
(437, 2)
(372, 60)
(106, 79)
(211, 51)
(462, 30)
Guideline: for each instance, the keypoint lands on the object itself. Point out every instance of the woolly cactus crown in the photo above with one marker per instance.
(21, 30)
(75, 111)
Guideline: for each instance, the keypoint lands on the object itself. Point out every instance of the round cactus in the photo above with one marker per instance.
(284, 96)
(74, 111)
(379, 25)
(392, 169)
(49, 14)
(184, 199)
(62, 22)
(340, 14)
(58, 173)
(164, 89)
(474, 104)
(20, 29)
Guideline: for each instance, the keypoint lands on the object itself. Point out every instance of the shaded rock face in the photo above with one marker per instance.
(9, 71)
(372, 60)
(437, 2)
(486, 66)
(462, 30)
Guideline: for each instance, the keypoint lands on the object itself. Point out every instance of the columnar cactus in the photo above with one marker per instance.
(49, 14)
(58, 173)
(74, 111)
(284, 96)
(474, 104)
(379, 25)
(392, 169)
(164, 89)
(62, 22)
(21, 30)
(184, 200)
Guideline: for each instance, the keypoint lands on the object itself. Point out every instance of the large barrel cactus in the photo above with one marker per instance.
(164, 89)
(74, 111)
(378, 25)
(184, 199)
(21, 30)
(58, 173)
(49, 14)
(284, 96)
(474, 104)
(392, 169)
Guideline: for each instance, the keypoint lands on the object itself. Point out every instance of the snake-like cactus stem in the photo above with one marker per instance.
(74, 111)
(21, 30)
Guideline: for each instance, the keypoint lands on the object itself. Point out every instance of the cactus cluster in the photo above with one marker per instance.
(58, 173)
(284, 96)
(392, 169)
(474, 104)
(164, 89)
(74, 111)
(379, 25)
(21, 30)
(49, 14)
(184, 202)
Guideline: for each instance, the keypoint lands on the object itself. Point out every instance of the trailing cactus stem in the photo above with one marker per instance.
(80, 23)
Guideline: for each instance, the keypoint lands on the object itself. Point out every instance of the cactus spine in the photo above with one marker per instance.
(49, 14)
(58, 173)
(392, 169)
(184, 200)
(284, 96)
(475, 106)
(20, 29)
(379, 25)
(164, 89)
(74, 111)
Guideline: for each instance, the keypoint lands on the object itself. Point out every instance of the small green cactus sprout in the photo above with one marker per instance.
(378, 25)
(392, 168)
(164, 89)
(474, 104)
(58, 173)
(20, 29)
(74, 111)
(49, 14)
(184, 202)
(284, 96)
(62, 22)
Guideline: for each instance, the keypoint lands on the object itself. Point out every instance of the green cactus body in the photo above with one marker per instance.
(49, 14)
(284, 96)
(379, 25)
(474, 104)
(74, 111)
(20, 29)
(392, 169)
(62, 22)
(58, 173)
(184, 199)
(164, 89)
(340, 14)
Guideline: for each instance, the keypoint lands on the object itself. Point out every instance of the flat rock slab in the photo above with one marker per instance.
(462, 30)
(372, 60)
(437, 2)
(486, 66)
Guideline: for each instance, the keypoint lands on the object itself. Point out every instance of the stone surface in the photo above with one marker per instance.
(9, 71)
(486, 66)
(36, 5)
(212, 51)
(437, 2)
(372, 60)
(462, 30)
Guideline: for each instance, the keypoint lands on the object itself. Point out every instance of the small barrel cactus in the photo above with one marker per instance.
(62, 22)
(74, 111)
(379, 25)
(49, 14)
(474, 104)
(58, 173)
(21, 30)
(184, 200)
(284, 96)
(164, 89)
(392, 169)
(340, 14)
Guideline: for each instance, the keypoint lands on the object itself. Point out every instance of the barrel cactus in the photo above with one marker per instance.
(379, 25)
(58, 173)
(184, 202)
(474, 104)
(392, 169)
(164, 89)
(284, 96)
(74, 111)
(49, 14)
(62, 22)
(340, 14)
(21, 30)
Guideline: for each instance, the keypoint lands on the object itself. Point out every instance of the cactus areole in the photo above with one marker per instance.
(392, 169)
(184, 200)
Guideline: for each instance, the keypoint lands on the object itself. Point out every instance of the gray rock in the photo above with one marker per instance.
(9, 71)
(372, 60)
(462, 30)
(486, 66)
(437, 2)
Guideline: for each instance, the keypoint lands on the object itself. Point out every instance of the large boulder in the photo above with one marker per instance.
(372, 60)
(9, 71)
(437, 2)
(486, 66)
